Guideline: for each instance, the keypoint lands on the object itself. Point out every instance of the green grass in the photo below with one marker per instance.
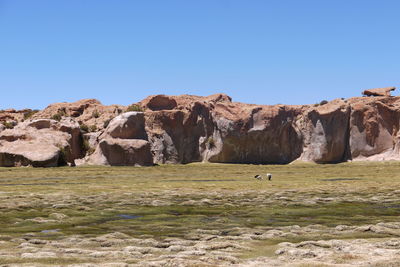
(94, 197)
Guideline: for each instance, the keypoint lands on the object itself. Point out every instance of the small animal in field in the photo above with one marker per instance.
(269, 176)
(258, 177)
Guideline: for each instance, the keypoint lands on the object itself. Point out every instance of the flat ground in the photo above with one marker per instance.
(202, 215)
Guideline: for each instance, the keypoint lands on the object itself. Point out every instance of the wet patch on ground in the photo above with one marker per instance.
(341, 179)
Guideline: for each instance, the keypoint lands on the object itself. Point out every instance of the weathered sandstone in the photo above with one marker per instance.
(159, 102)
(325, 133)
(124, 142)
(187, 128)
(41, 143)
(379, 91)
(122, 152)
(129, 125)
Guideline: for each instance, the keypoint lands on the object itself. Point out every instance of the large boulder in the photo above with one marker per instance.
(122, 152)
(379, 91)
(67, 125)
(44, 143)
(129, 125)
(29, 154)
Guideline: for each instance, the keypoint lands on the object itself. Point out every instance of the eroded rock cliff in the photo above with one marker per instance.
(186, 128)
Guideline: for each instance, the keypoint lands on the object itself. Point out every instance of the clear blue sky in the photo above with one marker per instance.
(257, 51)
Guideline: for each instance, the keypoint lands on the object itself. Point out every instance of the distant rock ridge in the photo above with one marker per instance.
(182, 129)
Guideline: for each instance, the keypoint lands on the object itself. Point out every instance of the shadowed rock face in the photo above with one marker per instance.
(326, 133)
(186, 128)
(266, 135)
(374, 129)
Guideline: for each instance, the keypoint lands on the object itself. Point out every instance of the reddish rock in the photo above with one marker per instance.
(12, 115)
(29, 154)
(374, 128)
(262, 134)
(44, 143)
(122, 152)
(89, 112)
(325, 133)
(42, 123)
(187, 128)
(379, 91)
(129, 125)
(176, 135)
(159, 102)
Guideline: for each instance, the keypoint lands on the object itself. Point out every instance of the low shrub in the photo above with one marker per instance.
(87, 148)
(210, 142)
(57, 117)
(8, 125)
(106, 123)
(84, 128)
(30, 113)
(62, 158)
(95, 114)
(93, 128)
(134, 107)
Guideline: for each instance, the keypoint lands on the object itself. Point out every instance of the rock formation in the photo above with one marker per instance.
(186, 128)
(123, 152)
(123, 143)
(41, 143)
(325, 132)
(379, 91)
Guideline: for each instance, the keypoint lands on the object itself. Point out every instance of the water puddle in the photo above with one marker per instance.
(231, 180)
(390, 206)
(128, 216)
(340, 179)
(118, 217)
(50, 231)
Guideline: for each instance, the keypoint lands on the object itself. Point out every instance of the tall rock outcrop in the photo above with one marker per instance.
(259, 135)
(374, 128)
(326, 131)
(176, 134)
(187, 128)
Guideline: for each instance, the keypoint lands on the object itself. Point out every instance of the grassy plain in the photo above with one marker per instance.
(173, 201)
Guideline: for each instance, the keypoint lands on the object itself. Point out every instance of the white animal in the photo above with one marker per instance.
(269, 176)
(258, 177)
